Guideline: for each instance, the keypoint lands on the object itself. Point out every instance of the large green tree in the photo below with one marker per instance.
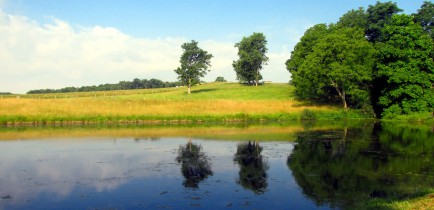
(425, 17)
(194, 64)
(377, 16)
(252, 51)
(406, 68)
(298, 56)
(339, 65)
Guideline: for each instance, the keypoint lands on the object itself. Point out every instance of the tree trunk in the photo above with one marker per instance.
(189, 86)
(189, 145)
(257, 76)
(341, 94)
(344, 101)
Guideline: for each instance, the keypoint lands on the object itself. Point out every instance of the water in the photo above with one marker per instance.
(228, 167)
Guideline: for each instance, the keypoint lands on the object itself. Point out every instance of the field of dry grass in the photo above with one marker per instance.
(215, 100)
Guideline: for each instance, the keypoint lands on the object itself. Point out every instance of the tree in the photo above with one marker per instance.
(344, 163)
(253, 169)
(252, 52)
(194, 64)
(298, 56)
(220, 79)
(377, 16)
(136, 84)
(340, 64)
(406, 68)
(425, 17)
(353, 19)
(195, 164)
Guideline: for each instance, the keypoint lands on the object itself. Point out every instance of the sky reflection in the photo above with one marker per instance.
(130, 173)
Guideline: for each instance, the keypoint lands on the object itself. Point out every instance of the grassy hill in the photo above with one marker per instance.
(213, 102)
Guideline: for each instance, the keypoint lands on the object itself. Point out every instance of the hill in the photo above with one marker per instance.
(213, 102)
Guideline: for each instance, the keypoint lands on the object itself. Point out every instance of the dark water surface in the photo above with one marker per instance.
(303, 167)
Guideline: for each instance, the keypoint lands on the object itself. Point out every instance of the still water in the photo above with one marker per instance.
(213, 167)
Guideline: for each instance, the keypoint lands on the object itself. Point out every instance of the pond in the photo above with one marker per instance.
(291, 166)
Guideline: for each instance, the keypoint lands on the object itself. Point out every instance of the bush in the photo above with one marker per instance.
(308, 115)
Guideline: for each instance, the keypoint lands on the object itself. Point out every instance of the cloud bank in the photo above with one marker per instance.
(58, 54)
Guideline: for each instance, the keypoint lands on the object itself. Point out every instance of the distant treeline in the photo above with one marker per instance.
(5, 93)
(122, 85)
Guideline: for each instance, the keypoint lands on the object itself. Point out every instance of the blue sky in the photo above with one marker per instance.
(55, 43)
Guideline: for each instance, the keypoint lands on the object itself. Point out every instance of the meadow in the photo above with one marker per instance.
(213, 102)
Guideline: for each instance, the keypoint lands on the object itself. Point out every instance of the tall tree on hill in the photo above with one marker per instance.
(194, 64)
(377, 16)
(252, 52)
(406, 68)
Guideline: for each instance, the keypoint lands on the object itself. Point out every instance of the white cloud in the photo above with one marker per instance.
(57, 54)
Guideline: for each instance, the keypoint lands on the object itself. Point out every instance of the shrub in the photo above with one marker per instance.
(307, 114)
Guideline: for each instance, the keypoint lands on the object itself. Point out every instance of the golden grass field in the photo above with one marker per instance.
(210, 100)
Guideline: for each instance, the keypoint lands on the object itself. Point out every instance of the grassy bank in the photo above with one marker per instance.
(215, 102)
(422, 200)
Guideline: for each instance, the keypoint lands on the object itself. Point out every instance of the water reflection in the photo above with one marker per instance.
(331, 166)
(195, 165)
(347, 167)
(253, 168)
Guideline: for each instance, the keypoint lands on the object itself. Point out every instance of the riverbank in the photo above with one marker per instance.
(424, 200)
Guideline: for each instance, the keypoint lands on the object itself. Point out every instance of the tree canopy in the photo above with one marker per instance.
(406, 67)
(425, 17)
(379, 15)
(252, 52)
(372, 59)
(194, 64)
(339, 64)
(354, 19)
(122, 85)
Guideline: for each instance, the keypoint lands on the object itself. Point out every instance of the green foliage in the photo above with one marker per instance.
(335, 62)
(304, 47)
(194, 64)
(304, 90)
(252, 175)
(379, 15)
(339, 64)
(220, 79)
(350, 167)
(252, 52)
(425, 17)
(307, 114)
(195, 164)
(406, 68)
(354, 19)
(122, 85)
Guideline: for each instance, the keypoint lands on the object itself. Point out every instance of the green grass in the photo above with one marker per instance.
(213, 102)
(419, 200)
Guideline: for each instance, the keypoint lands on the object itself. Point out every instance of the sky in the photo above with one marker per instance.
(63, 43)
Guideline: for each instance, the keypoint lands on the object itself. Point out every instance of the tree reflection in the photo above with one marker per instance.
(252, 173)
(345, 168)
(195, 165)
